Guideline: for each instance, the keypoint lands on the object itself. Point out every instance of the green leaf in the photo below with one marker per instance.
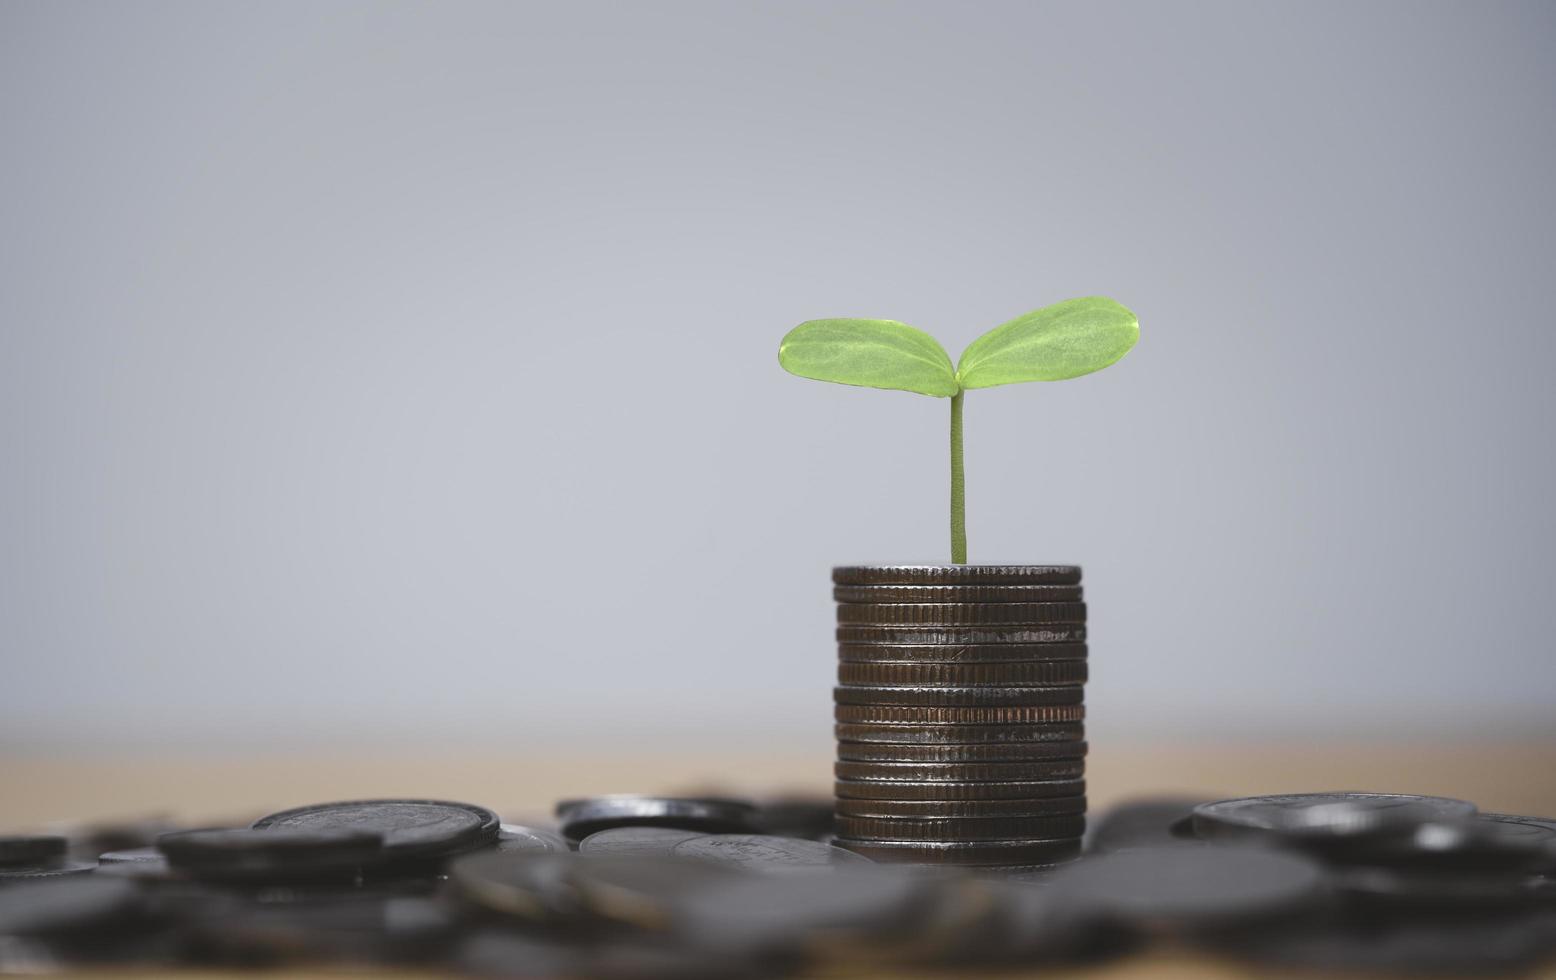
(871, 353)
(1065, 340)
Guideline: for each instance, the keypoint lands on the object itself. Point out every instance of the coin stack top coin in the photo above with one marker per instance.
(960, 714)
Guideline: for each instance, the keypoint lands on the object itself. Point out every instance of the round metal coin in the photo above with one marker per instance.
(957, 753)
(871, 714)
(961, 828)
(880, 789)
(959, 734)
(957, 593)
(961, 614)
(984, 656)
(580, 818)
(409, 828)
(31, 849)
(636, 840)
(964, 680)
(958, 697)
(278, 854)
(1319, 815)
(965, 852)
(760, 852)
(532, 840)
(961, 635)
(960, 772)
(956, 809)
(956, 575)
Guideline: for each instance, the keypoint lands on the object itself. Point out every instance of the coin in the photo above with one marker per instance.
(958, 697)
(1192, 888)
(957, 593)
(966, 852)
(583, 817)
(273, 854)
(795, 816)
(880, 789)
(1537, 830)
(960, 772)
(959, 734)
(760, 852)
(636, 840)
(529, 886)
(1408, 887)
(410, 828)
(956, 575)
(871, 714)
(961, 635)
(961, 614)
(134, 855)
(1149, 822)
(932, 809)
(1046, 673)
(960, 828)
(66, 905)
(30, 849)
(63, 869)
(1319, 815)
(958, 753)
(515, 837)
(641, 891)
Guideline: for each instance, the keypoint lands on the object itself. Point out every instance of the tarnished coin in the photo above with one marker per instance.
(1192, 888)
(957, 593)
(960, 828)
(959, 734)
(515, 837)
(956, 575)
(965, 852)
(961, 614)
(880, 789)
(961, 752)
(960, 772)
(961, 635)
(958, 697)
(409, 828)
(277, 854)
(30, 849)
(871, 714)
(659, 841)
(583, 817)
(959, 809)
(761, 852)
(986, 658)
(1322, 815)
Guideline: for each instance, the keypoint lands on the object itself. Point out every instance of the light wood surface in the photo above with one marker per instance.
(51, 789)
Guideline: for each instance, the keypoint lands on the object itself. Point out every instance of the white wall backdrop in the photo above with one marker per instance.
(408, 371)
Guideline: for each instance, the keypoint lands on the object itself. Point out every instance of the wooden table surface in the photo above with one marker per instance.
(203, 788)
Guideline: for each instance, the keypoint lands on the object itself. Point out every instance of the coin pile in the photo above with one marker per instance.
(959, 711)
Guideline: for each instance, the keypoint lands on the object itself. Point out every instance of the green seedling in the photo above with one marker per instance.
(1065, 340)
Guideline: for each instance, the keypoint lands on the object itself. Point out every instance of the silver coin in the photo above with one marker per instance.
(761, 852)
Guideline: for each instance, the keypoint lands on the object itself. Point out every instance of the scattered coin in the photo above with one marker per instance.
(960, 734)
(961, 772)
(917, 715)
(960, 635)
(956, 575)
(761, 852)
(1152, 822)
(945, 809)
(957, 593)
(580, 818)
(136, 855)
(962, 752)
(636, 840)
(965, 852)
(960, 828)
(961, 614)
(642, 891)
(55, 869)
(30, 849)
(529, 886)
(1192, 888)
(409, 828)
(61, 905)
(963, 665)
(1322, 815)
(279, 854)
(515, 837)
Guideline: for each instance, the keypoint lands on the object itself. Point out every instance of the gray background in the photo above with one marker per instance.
(390, 372)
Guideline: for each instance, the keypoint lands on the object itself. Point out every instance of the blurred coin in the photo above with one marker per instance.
(1511, 826)
(1148, 822)
(409, 828)
(960, 635)
(582, 817)
(636, 840)
(915, 715)
(760, 852)
(961, 614)
(962, 680)
(960, 828)
(942, 790)
(53, 869)
(136, 855)
(1320, 815)
(852, 912)
(957, 593)
(280, 854)
(958, 753)
(947, 809)
(795, 816)
(1464, 888)
(966, 664)
(30, 849)
(529, 886)
(961, 772)
(516, 837)
(959, 734)
(642, 891)
(1192, 888)
(74, 904)
(965, 697)
(956, 574)
(1476, 844)
(965, 852)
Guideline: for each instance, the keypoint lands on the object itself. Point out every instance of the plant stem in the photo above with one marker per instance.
(958, 486)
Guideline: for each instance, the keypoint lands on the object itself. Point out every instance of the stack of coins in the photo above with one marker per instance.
(959, 713)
